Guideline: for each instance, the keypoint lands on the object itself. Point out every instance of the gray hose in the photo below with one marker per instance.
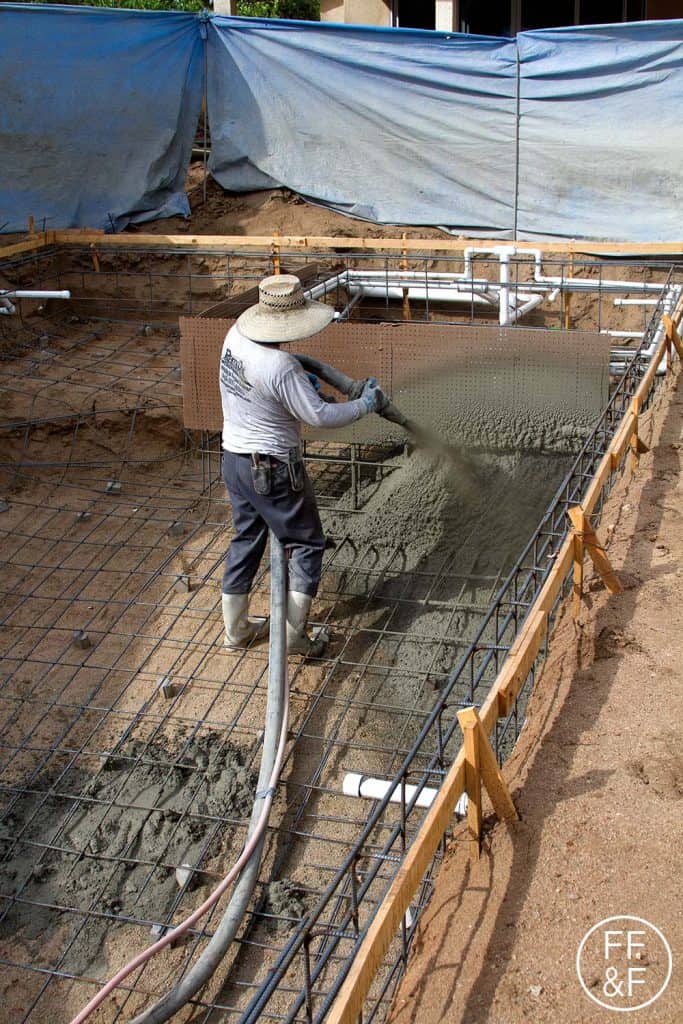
(353, 388)
(207, 963)
(461, 460)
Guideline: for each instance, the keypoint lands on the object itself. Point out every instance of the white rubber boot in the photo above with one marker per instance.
(298, 640)
(240, 630)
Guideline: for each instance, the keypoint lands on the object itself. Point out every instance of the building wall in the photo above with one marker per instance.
(378, 12)
(356, 12)
(332, 10)
(664, 9)
(447, 16)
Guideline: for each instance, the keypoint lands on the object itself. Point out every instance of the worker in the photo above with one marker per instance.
(266, 396)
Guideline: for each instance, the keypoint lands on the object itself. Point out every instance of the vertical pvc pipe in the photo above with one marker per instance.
(504, 296)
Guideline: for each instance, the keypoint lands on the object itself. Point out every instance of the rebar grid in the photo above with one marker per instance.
(115, 565)
(126, 549)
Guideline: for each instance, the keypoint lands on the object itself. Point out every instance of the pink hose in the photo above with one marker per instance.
(210, 901)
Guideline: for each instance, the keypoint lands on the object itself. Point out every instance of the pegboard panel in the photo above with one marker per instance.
(437, 374)
(201, 341)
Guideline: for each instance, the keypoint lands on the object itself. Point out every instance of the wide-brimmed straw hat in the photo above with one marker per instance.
(283, 313)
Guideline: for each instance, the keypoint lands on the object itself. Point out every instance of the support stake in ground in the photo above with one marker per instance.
(586, 540)
(481, 766)
(673, 340)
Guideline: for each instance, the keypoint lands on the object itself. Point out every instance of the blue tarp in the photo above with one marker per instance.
(600, 152)
(560, 132)
(395, 126)
(423, 128)
(98, 110)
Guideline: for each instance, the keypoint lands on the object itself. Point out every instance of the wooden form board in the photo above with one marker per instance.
(429, 369)
(310, 243)
(34, 243)
(347, 1008)
(361, 242)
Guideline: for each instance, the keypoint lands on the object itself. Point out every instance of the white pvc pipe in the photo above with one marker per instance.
(325, 287)
(357, 785)
(409, 275)
(356, 298)
(532, 303)
(583, 284)
(623, 334)
(464, 287)
(20, 294)
(436, 295)
(7, 307)
(504, 308)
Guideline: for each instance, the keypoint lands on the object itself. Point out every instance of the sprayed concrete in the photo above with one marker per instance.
(286, 902)
(428, 503)
(119, 854)
(428, 520)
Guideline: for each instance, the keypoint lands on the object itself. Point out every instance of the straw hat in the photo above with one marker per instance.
(282, 313)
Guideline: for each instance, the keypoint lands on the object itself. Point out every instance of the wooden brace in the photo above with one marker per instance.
(275, 253)
(637, 445)
(481, 766)
(673, 337)
(585, 539)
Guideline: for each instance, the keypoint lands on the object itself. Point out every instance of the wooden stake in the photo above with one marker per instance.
(95, 258)
(568, 297)
(472, 783)
(275, 253)
(31, 226)
(481, 765)
(637, 446)
(585, 539)
(403, 265)
(577, 587)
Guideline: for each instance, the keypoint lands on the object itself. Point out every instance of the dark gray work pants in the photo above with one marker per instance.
(291, 515)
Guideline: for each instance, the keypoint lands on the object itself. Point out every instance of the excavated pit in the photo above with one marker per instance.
(122, 787)
(108, 786)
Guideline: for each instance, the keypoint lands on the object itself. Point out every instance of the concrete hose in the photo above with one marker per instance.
(212, 955)
(352, 389)
(422, 437)
(247, 866)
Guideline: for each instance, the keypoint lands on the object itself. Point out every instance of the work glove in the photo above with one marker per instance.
(315, 382)
(373, 397)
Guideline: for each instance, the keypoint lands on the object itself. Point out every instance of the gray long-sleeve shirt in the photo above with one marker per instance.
(266, 396)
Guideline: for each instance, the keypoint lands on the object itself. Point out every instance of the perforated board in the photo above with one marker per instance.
(443, 376)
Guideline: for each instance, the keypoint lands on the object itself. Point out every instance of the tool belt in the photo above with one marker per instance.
(262, 467)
